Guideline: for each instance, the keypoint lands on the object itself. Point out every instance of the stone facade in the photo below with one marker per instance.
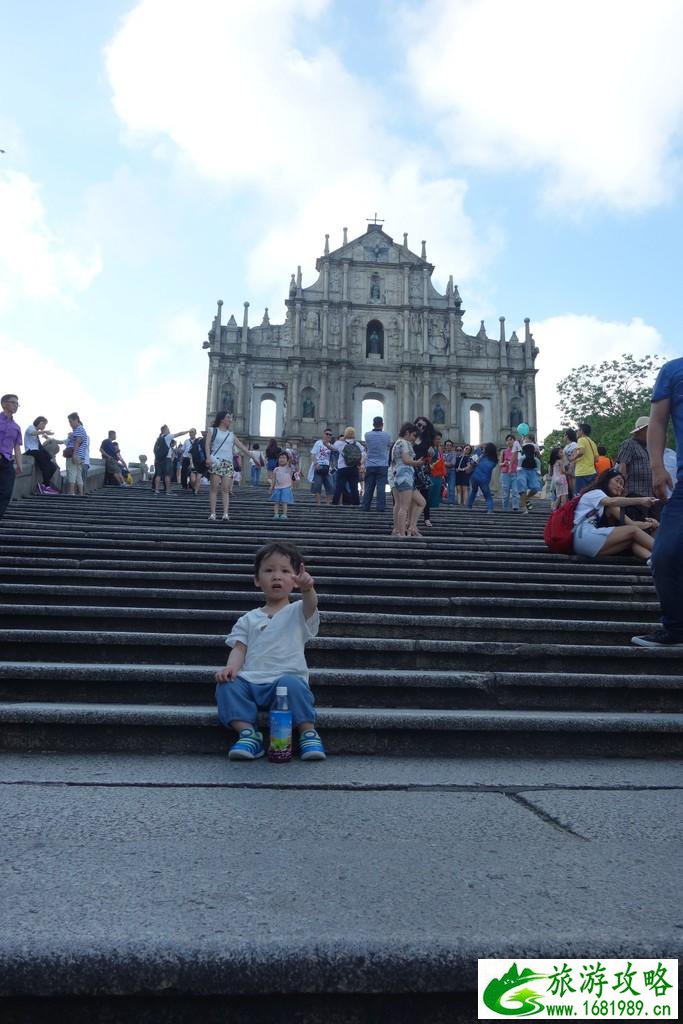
(371, 326)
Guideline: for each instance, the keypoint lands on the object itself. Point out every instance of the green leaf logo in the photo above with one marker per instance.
(501, 995)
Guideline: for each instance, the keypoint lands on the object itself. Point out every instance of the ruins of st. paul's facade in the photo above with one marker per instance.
(372, 326)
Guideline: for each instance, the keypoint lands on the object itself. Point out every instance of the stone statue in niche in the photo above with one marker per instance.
(438, 413)
(374, 345)
(515, 418)
(308, 409)
(374, 289)
(227, 400)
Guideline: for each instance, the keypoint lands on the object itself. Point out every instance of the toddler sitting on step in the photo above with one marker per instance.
(268, 651)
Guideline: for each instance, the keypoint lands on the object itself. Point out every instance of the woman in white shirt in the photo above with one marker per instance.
(42, 458)
(220, 447)
(606, 496)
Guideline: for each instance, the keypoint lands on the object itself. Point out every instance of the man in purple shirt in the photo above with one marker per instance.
(10, 449)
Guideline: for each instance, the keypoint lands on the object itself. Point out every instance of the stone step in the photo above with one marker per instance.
(44, 596)
(415, 732)
(113, 683)
(333, 623)
(71, 571)
(329, 651)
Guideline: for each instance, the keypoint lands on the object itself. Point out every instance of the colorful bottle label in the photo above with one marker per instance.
(280, 747)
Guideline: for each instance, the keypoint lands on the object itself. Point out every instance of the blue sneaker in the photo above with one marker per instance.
(311, 746)
(248, 747)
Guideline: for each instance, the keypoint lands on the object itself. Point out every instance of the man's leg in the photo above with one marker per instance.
(505, 490)
(370, 482)
(382, 477)
(667, 563)
(7, 478)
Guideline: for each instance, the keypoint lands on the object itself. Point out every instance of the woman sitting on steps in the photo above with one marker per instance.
(600, 506)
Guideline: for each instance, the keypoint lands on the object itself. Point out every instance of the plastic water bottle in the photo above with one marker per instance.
(280, 746)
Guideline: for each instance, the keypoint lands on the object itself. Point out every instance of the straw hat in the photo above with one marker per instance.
(349, 433)
(641, 423)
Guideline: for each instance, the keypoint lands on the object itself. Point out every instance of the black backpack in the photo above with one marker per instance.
(160, 449)
(197, 453)
(529, 460)
(352, 454)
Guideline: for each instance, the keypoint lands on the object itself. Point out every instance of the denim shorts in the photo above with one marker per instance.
(528, 480)
(404, 478)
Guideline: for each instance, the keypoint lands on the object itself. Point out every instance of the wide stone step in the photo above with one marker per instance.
(336, 687)
(44, 598)
(167, 729)
(334, 623)
(375, 652)
(143, 603)
(532, 584)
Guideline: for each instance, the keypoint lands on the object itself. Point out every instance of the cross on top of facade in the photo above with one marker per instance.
(375, 220)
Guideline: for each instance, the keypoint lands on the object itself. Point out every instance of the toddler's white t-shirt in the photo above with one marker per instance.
(275, 647)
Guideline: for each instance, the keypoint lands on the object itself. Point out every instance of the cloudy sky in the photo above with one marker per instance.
(163, 154)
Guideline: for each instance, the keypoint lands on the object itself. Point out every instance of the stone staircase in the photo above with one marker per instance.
(472, 641)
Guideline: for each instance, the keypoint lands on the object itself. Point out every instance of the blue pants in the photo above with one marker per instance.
(583, 481)
(508, 487)
(241, 701)
(667, 562)
(450, 483)
(476, 485)
(375, 476)
(255, 475)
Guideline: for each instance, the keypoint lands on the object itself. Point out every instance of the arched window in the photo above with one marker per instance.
(267, 416)
(370, 407)
(476, 424)
(374, 339)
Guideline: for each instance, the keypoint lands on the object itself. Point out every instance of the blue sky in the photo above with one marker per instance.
(164, 154)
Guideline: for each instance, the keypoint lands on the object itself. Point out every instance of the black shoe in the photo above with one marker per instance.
(662, 638)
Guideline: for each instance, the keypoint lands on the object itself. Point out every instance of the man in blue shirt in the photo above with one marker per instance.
(667, 556)
(376, 464)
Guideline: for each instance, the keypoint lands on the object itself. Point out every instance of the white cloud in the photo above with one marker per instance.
(249, 111)
(572, 340)
(34, 262)
(592, 93)
(168, 384)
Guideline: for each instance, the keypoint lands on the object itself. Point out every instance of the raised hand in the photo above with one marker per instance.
(303, 580)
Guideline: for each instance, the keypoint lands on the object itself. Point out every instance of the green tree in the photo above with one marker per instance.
(607, 389)
(610, 396)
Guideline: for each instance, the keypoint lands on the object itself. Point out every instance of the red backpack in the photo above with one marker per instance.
(558, 534)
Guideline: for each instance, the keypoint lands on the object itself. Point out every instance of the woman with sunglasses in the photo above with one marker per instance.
(424, 449)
